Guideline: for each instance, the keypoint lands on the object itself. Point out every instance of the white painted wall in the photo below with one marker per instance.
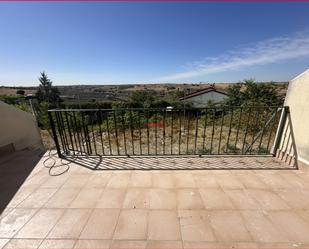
(18, 128)
(203, 99)
(297, 99)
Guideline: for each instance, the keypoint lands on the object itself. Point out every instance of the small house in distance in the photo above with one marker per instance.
(205, 96)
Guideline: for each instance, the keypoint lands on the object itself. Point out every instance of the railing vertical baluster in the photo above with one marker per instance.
(271, 130)
(147, 123)
(204, 131)
(230, 129)
(100, 129)
(87, 139)
(132, 133)
(69, 130)
(74, 132)
(108, 135)
(213, 129)
(179, 130)
(196, 131)
(64, 132)
(263, 130)
(60, 132)
(140, 133)
(164, 118)
(188, 132)
(220, 137)
(52, 124)
(93, 135)
(156, 132)
(256, 123)
(116, 131)
(124, 133)
(238, 127)
(172, 124)
(80, 135)
(77, 128)
(246, 131)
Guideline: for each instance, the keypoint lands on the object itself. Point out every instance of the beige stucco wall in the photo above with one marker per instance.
(18, 128)
(297, 99)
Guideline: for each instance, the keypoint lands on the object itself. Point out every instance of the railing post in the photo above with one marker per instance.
(282, 122)
(51, 121)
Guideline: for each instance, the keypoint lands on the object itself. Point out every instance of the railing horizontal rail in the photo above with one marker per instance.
(220, 130)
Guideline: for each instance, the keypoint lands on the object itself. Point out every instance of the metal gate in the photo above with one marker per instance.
(229, 130)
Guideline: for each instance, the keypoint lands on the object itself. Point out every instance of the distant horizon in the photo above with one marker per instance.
(116, 43)
(163, 83)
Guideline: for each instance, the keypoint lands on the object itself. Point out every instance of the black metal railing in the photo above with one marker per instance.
(164, 131)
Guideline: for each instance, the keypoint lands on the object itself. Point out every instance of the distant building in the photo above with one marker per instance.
(205, 96)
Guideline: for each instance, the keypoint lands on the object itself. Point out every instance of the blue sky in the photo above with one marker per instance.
(114, 43)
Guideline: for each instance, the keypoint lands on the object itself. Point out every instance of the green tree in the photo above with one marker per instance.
(47, 92)
(251, 93)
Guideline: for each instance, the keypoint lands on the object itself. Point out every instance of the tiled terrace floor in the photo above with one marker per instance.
(85, 208)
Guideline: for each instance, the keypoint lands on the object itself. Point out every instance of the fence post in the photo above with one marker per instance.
(52, 125)
(282, 122)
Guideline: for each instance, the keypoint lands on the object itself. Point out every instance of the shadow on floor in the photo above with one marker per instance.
(180, 163)
(14, 170)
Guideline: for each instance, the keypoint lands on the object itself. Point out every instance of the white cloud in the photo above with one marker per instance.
(265, 52)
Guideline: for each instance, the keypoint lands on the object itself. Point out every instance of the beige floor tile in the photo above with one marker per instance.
(98, 180)
(261, 229)
(273, 181)
(70, 224)
(194, 227)
(268, 200)
(141, 179)
(220, 245)
(296, 199)
(250, 180)
(20, 196)
(92, 244)
(3, 242)
(87, 198)
(38, 198)
(278, 245)
(136, 198)
(101, 224)
(111, 198)
(12, 222)
(55, 182)
(189, 199)
(57, 244)
(184, 180)
(206, 181)
(162, 199)
(163, 225)
(62, 198)
(229, 181)
(23, 244)
(162, 180)
(216, 199)
(40, 224)
(229, 226)
(156, 244)
(76, 181)
(199, 245)
(132, 224)
(241, 199)
(295, 228)
(119, 180)
(129, 244)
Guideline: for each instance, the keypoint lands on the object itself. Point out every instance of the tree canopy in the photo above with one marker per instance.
(47, 92)
(255, 94)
